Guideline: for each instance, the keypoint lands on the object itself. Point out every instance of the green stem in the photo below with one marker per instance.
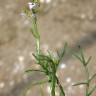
(60, 86)
(93, 89)
(53, 85)
(38, 46)
(31, 70)
(36, 35)
(81, 83)
(87, 77)
(53, 82)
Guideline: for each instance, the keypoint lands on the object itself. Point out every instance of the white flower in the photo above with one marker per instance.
(32, 5)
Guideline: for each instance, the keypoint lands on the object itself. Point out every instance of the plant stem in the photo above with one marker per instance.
(53, 84)
(87, 77)
(60, 86)
(38, 38)
(38, 46)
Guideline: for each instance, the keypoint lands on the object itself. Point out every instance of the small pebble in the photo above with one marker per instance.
(68, 80)
(63, 66)
(2, 84)
(21, 58)
(83, 16)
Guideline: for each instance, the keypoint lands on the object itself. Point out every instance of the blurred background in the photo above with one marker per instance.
(71, 21)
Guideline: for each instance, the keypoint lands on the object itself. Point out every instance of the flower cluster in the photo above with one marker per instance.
(33, 6)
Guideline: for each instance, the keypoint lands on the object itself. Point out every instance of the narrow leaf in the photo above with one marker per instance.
(31, 70)
(62, 93)
(82, 56)
(61, 53)
(39, 82)
(78, 57)
(80, 83)
(92, 77)
(93, 89)
(88, 60)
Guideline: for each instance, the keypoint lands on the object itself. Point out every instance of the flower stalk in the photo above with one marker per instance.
(48, 63)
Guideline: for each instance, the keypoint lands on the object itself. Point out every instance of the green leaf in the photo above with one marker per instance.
(92, 90)
(62, 93)
(78, 57)
(61, 53)
(93, 76)
(31, 70)
(39, 82)
(34, 30)
(82, 56)
(34, 33)
(87, 62)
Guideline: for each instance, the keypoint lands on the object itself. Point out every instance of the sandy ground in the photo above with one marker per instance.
(72, 21)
